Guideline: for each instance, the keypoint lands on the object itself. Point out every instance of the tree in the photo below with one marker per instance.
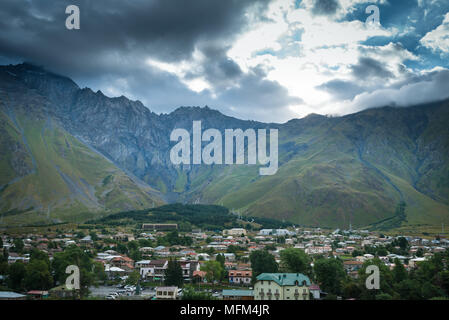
(351, 290)
(38, 276)
(39, 255)
(409, 289)
(18, 245)
(330, 274)
(420, 252)
(189, 293)
(133, 278)
(214, 271)
(93, 236)
(173, 274)
(399, 272)
(73, 255)
(385, 277)
(221, 258)
(403, 243)
(295, 261)
(121, 248)
(382, 252)
(16, 273)
(262, 262)
(133, 245)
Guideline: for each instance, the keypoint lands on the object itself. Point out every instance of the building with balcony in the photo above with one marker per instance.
(282, 286)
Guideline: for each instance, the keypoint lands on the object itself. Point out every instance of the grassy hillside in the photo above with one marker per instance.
(336, 171)
(66, 181)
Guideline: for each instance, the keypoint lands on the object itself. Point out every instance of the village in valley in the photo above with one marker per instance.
(155, 261)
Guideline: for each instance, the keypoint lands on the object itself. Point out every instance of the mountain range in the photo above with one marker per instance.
(71, 154)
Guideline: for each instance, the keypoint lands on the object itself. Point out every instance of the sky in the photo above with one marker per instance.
(265, 60)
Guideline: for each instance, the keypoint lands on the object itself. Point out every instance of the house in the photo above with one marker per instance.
(282, 286)
(199, 276)
(114, 272)
(188, 268)
(37, 294)
(228, 256)
(166, 293)
(275, 232)
(238, 294)
(352, 265)
(413, 263)
(123, 262)
(13, 258)
(154, 270)
(234, 232)
(86, 240)
(240, 277)
(123, 237)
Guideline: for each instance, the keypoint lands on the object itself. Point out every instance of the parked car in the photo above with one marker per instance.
(111, 297)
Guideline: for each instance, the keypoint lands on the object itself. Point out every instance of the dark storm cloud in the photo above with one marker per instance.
(325, 7)
(117, 37)
(370, 68)
(168, 30)
(341, 89)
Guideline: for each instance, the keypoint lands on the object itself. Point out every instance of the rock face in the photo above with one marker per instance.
(332, 171)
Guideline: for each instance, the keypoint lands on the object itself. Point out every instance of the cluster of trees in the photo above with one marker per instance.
(209, 217)
(429, 281)
(42, 274)
(172, 238)
(204, 216)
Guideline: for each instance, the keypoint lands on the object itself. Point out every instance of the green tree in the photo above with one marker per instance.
(121, 248)
(214, 271)
(385, 278)
(420, 252)
(133, 245)
(351, 290)
(38, 276)
(262, 262)
(93, 236)
(221, 258)
(295, 261)
(383, 296)
(133, 278)
(39, 255)
(330, 274)
(173, 274)
(18, 245)
(74, 255)
(189, 293)
(409, 289)
(399, 272)
(16, 273)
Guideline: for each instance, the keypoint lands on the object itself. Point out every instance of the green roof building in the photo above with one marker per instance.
(282, 286)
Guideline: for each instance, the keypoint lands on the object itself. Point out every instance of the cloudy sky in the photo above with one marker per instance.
(267, 60)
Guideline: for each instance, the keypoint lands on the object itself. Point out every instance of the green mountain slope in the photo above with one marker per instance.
(68, 153)
(354, 169)
(50, 176)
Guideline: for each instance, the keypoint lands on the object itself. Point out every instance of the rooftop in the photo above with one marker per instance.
(237, 293)
(285, 279)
